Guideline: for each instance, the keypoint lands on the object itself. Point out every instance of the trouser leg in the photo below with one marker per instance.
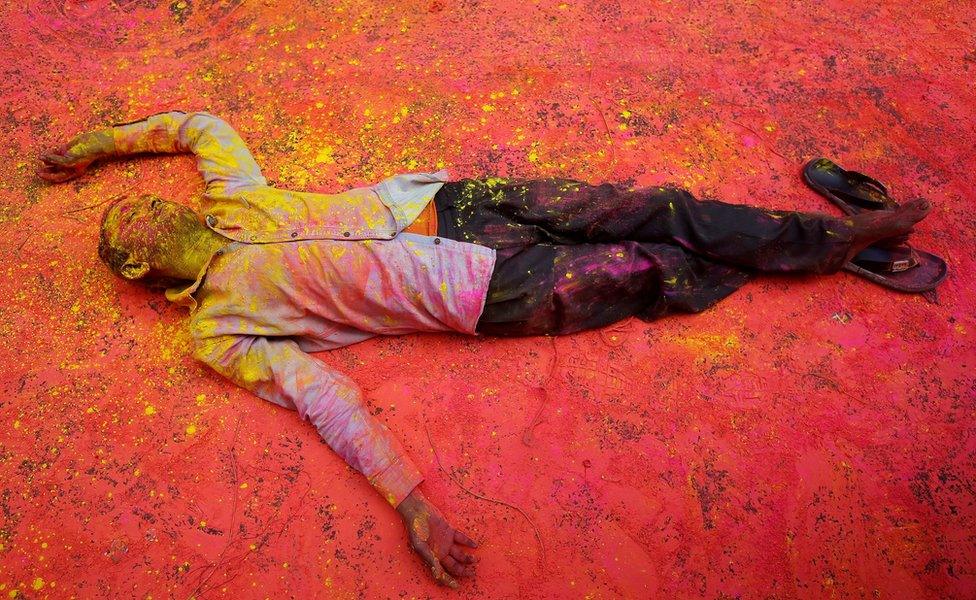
(557, 289)
(500, 213)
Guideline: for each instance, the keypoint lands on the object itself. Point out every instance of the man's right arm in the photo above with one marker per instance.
(277, 370)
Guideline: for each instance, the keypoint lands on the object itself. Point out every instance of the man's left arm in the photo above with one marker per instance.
(222, 156)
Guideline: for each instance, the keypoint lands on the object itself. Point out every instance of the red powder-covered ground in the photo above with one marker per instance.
(807, 438)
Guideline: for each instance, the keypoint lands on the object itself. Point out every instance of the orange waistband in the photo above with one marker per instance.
(426, 221)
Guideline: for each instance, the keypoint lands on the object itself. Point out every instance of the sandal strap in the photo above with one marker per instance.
(852, 190)
(866, 200)
(887, 260)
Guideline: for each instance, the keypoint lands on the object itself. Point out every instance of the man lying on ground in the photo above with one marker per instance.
(270, 274)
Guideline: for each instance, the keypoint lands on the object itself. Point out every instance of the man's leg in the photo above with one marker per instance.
(501, 213)
(557, 289)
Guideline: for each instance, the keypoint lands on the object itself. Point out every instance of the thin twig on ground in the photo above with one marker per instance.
(450, 475)
(760, 138)
(606, 127)
(527, 431)
(91, 206)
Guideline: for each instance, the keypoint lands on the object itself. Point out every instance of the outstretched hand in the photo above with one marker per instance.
(443, 548)
(70, 160)
(59, 165)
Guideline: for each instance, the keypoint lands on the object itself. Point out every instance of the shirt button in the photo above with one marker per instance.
(345, 234)
(437, 240)
(211, 220)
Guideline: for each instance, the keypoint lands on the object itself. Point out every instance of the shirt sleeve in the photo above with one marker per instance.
(276, 369)
(222, 156)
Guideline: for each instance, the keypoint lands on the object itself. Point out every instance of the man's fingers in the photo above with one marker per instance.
(51, 169)
(457, 568)
(461, 556)
(464, 540)
(452, 566)
(57, 168)
(55, 159)
(64, 162)
(54, 176)
(441, 576)
(449, 581)
(436, 570)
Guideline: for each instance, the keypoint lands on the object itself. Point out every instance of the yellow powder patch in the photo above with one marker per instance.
(325, 155)
(150, 410)
(709, 344)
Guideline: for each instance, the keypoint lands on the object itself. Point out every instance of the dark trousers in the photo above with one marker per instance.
(572, 256)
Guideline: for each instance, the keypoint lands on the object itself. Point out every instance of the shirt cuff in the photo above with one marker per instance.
(396, 481)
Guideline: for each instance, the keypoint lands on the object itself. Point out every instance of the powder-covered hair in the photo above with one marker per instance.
(112, 256)
(115, 256)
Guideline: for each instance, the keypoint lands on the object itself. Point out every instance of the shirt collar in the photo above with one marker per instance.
(183, 295)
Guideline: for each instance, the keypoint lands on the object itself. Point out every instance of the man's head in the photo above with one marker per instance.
(149, 239)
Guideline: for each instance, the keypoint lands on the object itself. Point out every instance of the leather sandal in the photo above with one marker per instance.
(901, 268)
(853, 192)
(891, 263)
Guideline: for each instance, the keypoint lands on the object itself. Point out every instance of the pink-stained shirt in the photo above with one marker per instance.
(309, 272)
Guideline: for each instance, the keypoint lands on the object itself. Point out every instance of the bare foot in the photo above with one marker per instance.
(877, 225)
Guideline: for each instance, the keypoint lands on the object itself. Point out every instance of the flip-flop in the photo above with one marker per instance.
(890, 263)
(853, 192)
(901, 268)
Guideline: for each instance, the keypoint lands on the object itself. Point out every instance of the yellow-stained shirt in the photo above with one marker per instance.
(309, 272)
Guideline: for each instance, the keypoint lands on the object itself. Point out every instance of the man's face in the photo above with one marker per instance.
(151, 229)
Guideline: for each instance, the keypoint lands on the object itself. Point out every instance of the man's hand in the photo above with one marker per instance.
(441, 546)
(71, 160)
